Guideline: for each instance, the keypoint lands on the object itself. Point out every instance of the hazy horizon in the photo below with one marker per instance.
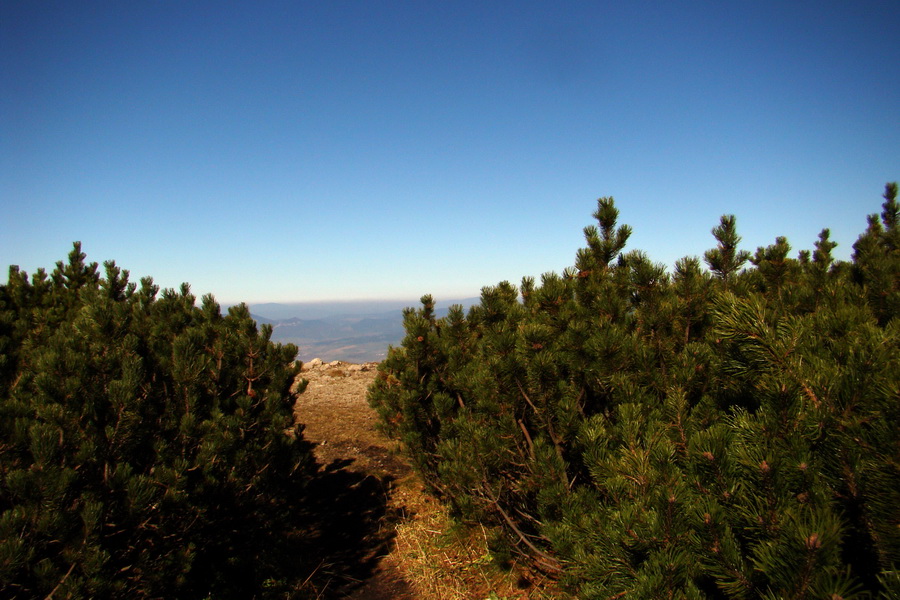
(357, 307)
(350, 331)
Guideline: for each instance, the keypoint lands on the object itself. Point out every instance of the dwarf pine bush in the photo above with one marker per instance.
(147, 445)
(721, 433)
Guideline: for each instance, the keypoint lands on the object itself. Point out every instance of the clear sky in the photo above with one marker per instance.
(291, 151)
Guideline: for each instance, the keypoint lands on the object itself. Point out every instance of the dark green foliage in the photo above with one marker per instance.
(876, 265)
(148, 444)
(723, 434)
(725, 260)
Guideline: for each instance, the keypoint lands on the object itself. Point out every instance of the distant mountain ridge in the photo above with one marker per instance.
(354, 332)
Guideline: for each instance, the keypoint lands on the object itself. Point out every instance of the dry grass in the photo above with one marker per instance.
(431, 557)
(446, 561)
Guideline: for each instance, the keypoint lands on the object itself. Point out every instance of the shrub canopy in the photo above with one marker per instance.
(721, 433)
(148, 444)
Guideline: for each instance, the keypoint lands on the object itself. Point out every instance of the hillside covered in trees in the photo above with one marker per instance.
(729, 432)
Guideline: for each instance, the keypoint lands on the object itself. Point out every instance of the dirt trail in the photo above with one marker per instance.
(354, 454)
(382, 537)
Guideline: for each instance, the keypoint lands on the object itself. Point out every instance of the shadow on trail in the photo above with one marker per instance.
(350, 528)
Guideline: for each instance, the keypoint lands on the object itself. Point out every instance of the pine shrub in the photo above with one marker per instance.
(721, 433)
(148, 444)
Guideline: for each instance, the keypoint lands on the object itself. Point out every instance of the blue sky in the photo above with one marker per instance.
(299, 151)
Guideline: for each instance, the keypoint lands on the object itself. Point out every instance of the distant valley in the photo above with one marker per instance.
(353, 332)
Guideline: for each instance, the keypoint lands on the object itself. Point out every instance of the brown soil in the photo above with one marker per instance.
(390, 540)
(338, 419)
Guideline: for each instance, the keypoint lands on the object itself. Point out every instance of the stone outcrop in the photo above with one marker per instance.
(316, 364)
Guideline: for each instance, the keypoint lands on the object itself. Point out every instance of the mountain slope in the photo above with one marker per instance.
(348, 331)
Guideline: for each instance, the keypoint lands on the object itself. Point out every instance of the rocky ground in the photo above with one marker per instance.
(389, 539)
